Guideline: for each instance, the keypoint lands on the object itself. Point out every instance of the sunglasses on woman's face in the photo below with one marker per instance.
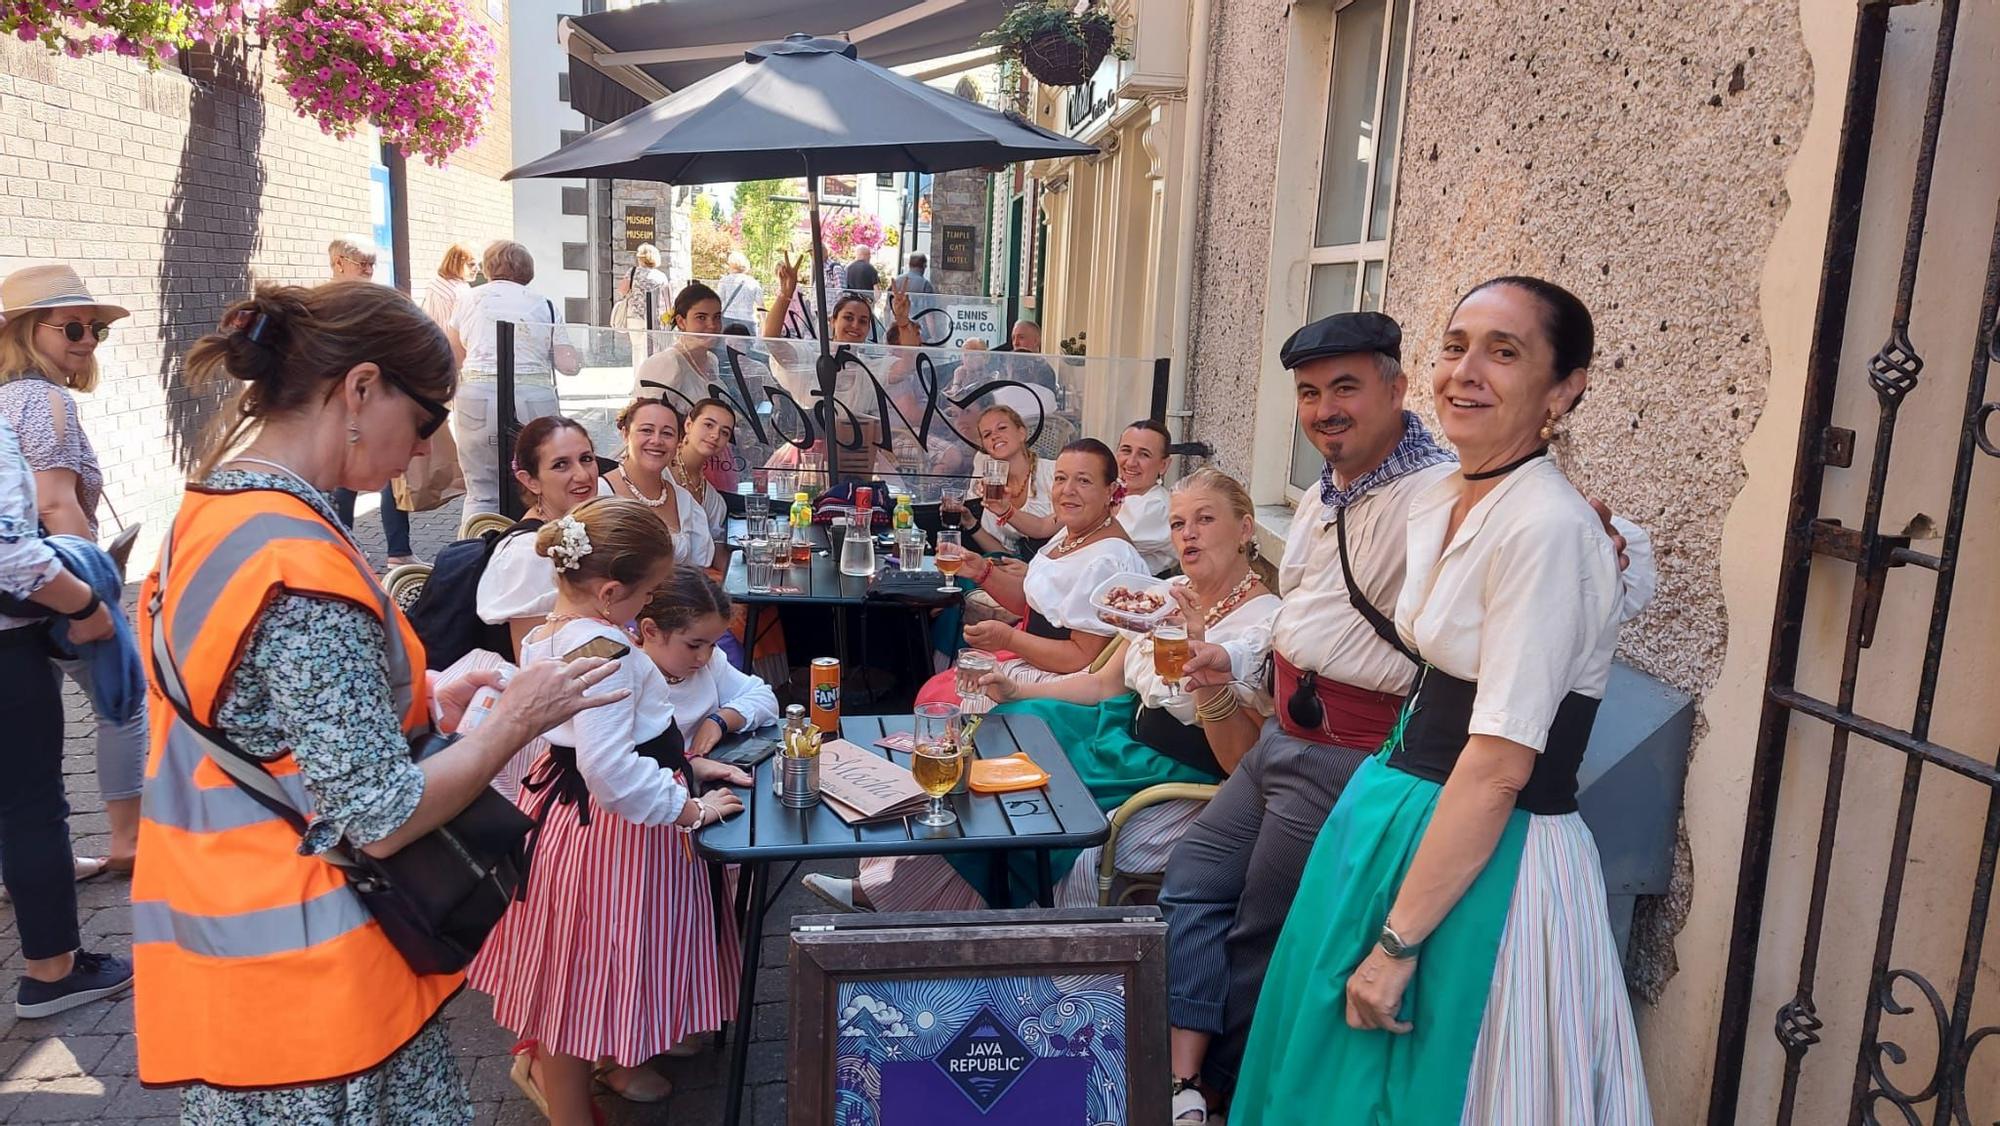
(437, 412)
(73, 330)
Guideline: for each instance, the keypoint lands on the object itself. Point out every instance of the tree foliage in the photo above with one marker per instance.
(767, 226)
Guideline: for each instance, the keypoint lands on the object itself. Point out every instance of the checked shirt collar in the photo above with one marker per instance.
(1417, 450)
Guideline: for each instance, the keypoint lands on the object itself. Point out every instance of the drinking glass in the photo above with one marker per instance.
(996, 483)
(1170, 656)
(938, 761)
(836, 533)
(950, 557)
(951, 508)
(910, 549)
(757, 561)
(973, 665)
(779, 486)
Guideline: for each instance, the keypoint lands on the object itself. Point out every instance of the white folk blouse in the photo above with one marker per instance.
(1248, 628)
(1525, 599)
(1144, 516)
(718, 685)
(1038, 503)
(1059, 587)
(622, 781)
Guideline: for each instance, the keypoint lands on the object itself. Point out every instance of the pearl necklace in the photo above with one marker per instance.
(631, 486)
(1077, 543)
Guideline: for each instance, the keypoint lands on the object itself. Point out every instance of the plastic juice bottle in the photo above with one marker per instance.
(802, 518)
(904, 518)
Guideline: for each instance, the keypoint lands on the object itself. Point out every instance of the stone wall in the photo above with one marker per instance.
(172, 195)
(958, 199)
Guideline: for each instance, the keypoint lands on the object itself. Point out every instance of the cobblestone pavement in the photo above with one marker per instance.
(79, 1066)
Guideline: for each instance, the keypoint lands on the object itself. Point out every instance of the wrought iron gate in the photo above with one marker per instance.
(1872, 560)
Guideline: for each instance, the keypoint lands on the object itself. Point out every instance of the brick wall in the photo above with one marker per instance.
(172, 196)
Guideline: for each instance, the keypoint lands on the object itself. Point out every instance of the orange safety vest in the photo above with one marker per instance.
(256, 966)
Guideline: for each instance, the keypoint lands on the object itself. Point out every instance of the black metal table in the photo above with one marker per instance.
(819, 583)
(1058, 815)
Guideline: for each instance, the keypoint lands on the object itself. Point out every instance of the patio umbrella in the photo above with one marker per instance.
(802, 105)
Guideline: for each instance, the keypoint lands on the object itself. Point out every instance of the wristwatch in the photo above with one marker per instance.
(1393, 945)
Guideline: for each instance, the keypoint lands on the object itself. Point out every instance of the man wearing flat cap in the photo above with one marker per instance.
(1339, 677)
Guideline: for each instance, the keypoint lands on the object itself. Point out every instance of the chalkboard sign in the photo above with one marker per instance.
(990, 1018)
(638, 226)
(958, 247)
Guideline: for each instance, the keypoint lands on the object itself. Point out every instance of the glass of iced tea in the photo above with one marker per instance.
(951, 508)
(939, 760)
(950, 557)
(1170, 657)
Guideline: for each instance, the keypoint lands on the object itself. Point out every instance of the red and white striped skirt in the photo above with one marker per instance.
(615, 951)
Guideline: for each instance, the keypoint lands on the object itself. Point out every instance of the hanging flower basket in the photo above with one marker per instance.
(148, 30)
(420, 71)
(1057, 60)
(1056, 44)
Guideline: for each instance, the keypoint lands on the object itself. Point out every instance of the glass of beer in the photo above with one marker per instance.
(950, 557)
(939, 760)
(996, 483)
(1170, 657)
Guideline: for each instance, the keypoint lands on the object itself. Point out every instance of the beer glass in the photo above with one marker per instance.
(1170, 657)
(939, 760)
(950, 557)
(996, 483)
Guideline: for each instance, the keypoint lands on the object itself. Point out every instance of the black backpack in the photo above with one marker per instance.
(446, 614)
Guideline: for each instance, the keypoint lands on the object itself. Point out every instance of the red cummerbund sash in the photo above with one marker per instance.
(1351, 717)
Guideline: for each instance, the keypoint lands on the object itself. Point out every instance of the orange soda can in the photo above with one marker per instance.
(826, 695)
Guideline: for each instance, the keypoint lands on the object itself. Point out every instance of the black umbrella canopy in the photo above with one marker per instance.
(795, 107)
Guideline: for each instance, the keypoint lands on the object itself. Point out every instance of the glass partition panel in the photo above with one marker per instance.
(905, 416)
(943, 319)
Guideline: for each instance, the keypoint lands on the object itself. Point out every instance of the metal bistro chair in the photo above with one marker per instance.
(406, 582)
(1108, 872)
(475, 524)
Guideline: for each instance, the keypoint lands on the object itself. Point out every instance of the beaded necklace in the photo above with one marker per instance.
(1078, 543)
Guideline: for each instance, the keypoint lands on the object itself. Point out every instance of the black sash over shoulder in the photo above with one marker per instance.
(1042, 627)
(1185, 743)
(1434, 730)
(557, 781)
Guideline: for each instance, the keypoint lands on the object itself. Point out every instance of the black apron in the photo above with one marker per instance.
(1435, 726)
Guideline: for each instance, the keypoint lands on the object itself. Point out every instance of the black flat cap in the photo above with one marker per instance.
(1341, 334)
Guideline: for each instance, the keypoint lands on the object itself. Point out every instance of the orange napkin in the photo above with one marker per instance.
(1007, 774)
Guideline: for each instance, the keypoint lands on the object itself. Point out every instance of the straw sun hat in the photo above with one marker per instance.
(39, 288)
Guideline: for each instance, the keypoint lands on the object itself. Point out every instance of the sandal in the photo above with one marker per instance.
(90, 867)
(522, 1073)
(630, 1091)
(1190, 1106)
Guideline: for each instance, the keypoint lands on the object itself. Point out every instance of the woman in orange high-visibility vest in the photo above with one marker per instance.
(265, 989)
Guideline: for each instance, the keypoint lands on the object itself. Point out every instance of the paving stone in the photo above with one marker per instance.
(137, 1101)
(60, 1057)
(77, 1099)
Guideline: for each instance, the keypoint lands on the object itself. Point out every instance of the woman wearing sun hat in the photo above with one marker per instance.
(49, 334)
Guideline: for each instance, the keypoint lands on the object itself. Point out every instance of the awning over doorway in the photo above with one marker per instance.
(621, 60)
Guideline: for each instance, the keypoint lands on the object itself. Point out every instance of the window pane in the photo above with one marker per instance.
(1371, 287)
(1347, 160)
(1392, 105)
(1332, 290)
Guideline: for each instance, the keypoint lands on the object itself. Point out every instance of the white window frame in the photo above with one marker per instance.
(1308, 82)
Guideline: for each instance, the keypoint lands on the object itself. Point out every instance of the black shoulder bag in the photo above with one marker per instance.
(1383, 627)
(436, 898)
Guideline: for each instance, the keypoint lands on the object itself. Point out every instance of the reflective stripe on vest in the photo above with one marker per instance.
(235, 933)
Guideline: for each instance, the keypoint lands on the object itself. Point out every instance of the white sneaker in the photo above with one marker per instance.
(837, 892)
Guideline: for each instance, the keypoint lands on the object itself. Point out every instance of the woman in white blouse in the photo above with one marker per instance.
(705, 446)
(1122, 727)
(1449, 957)
(682, 372)
(1142, 461)
(1061, 632)
(557, 470)
(678, 630)
(1029, 507)
(612, 956)
(652, 432)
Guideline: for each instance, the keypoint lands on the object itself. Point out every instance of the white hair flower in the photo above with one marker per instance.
(568, 554)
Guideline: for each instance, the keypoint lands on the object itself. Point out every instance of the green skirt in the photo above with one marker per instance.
(1303, 1063)
(1097, 738)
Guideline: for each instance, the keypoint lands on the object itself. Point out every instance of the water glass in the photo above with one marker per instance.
(779, 486)
(836, 533)
(758, 562)
(974, 665)
(910, 549)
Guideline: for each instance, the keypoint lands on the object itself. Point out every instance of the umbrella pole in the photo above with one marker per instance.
(826, 364)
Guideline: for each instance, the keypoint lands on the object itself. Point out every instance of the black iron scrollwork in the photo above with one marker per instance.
(1894, 370)
(1961, 1113)
(1798, 1025)
(1987, 444)
(1888, 1052)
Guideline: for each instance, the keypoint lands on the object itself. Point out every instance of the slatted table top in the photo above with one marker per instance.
(1060, 814)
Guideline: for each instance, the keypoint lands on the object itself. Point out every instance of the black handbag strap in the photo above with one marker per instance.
(1376, 618)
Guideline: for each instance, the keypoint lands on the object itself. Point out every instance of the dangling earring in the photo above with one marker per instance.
(353, 433)
(1549, 428)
